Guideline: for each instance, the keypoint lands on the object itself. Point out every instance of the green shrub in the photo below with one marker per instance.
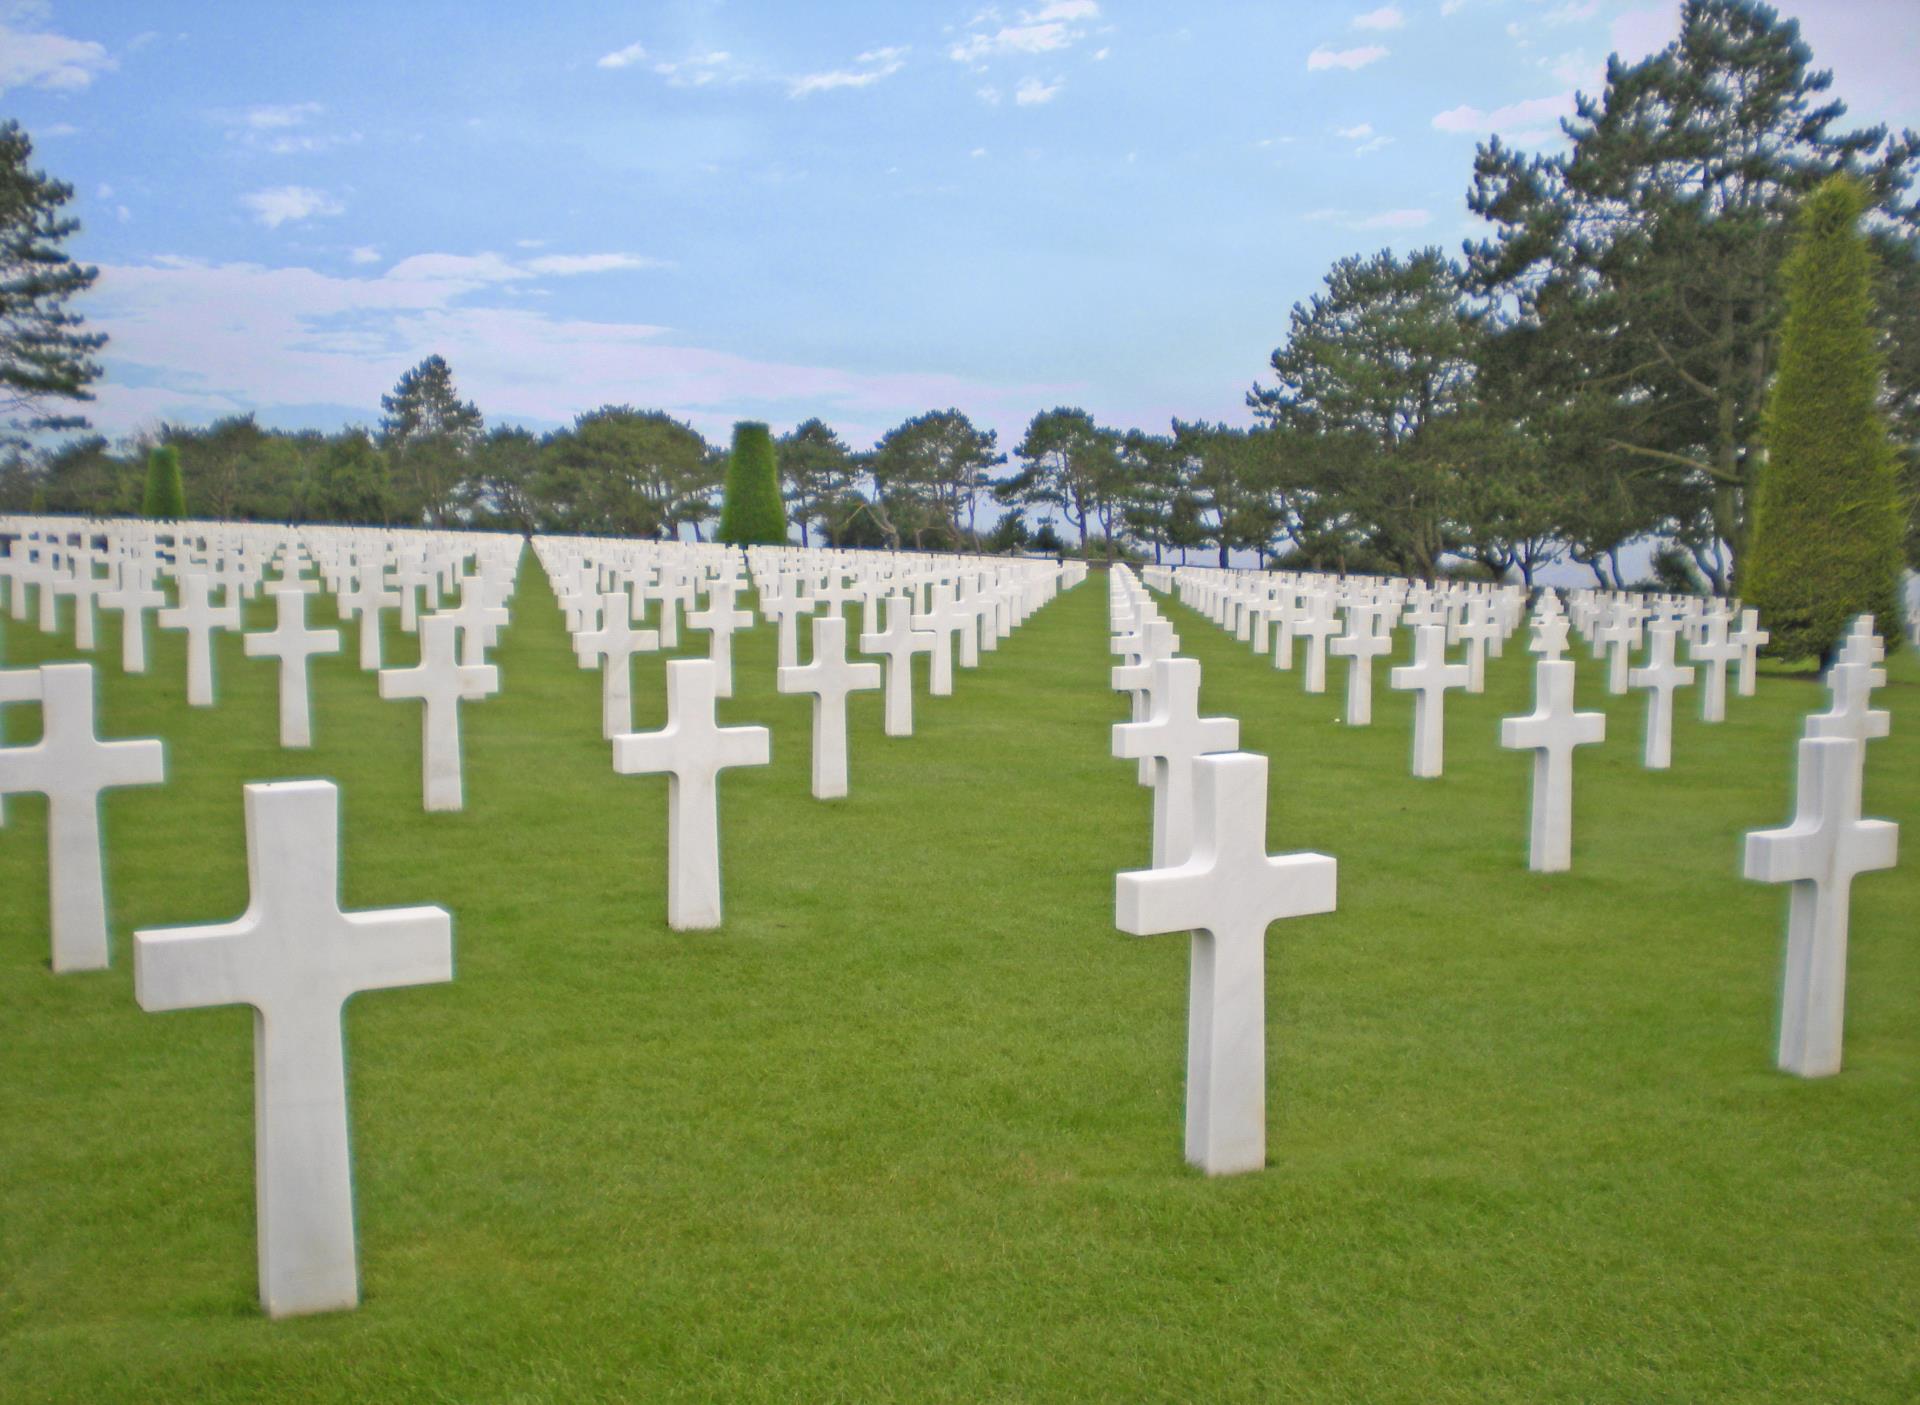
(1826, 539)
(753, 510)
(166, 496)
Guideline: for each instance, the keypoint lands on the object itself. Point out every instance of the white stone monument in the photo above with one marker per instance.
(1171, 737)
(1819, 853)
(70, 765)
(613, 645)
(692, 749)
(1226, 894)
(829, 678)
(1660, 677)
(292, 643)
(296, 958)
(1428, 677)
(1551, 732)
(898, 643)
(199, 617)
(442, 683)
(1361, 645)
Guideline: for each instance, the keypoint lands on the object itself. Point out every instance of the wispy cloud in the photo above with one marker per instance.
(1394, 219)
(1533, 117)
(698, 70)
(1324, 58)
(869, 68)
(1032, 92)
(1359, 133)
(289, 204)
(282, 129)
(572, 265)
(1386, 17)
(31, 58)
(274, 117)
(1049, 28)
(622, 58)
(365, 254)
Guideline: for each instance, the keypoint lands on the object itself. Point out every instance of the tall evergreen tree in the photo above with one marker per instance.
(752, 510)
(166, 496)
(1827, 515)
(428, 432)
(45, 355)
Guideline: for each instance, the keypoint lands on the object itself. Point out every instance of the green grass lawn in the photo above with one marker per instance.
(909, 1127)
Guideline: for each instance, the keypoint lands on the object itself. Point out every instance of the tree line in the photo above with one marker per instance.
(1591, 374)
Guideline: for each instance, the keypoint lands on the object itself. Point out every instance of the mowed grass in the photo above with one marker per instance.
(909, 1127)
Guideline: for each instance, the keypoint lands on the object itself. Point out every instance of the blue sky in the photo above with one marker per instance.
(729, 210)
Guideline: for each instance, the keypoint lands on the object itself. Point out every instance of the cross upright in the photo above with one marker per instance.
(1549, 637)
(613, 646)
(1820, 852)
(480, 622)
(441, 682)
(296, 958)
(199, 617)
(70, 765)
(366, 600)
(1172, 737)
(1318, 625)
(692, 749)
(1361, 645)
(1551, 732)
(1660, 677)
(721, 619)
(898, 643)
(1284, 612)
(1226, 894)
(86, 590)
(944, 620)
(1477, 629)
(1751, 639)
(1714, 652)
(829, 678)
(291, 642)
(132, 596)
(785, 610)
(1428, 677)
(1619, 636)
(17, 685)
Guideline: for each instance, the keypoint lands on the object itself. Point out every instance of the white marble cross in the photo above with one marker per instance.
(786, 609)
(1226, 893)
(829, 678)
(1660, 677)
(70, 765)
(291, 642)
(1171, 737)
(1428, 677)
(1361, 644)
(1751, 639)
(1618, 638)
(1317, 624)
(898, 643)
(613, 645)
(945, 621)
(1714, 652)
(441, 682)
(1479, 628)
(480, 622)
(721, 619)
(17, 685)
(1551, 732)
(692, 749)
(366, 600)
(296, 958)
(1819, 853)
(132, 597)
(199, 617)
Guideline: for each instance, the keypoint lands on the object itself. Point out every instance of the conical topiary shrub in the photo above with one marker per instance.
(1826, 515)
(752, 510)
(166, 497)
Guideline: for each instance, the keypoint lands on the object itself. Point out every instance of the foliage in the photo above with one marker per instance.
(622, 471)
(817, 471)
(166, 497)
(752, 511)
(1644, 261)
(46, 356)
(350, 480)
(1067, 462)
(428, 433)
(1828, 516)
(928, 475)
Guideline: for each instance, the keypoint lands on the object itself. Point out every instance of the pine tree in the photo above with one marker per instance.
(752, 510)
(166, 497)
(1827, 515)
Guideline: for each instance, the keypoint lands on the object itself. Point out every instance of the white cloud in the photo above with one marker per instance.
(977, 152)
(216, 339)
(366, 253)
(273, 117)
(989, 95)
(456, 268)
(1395, 219)
(1044, 30)
(122, 213)
(1359, 133)
(872, 66)
(570, 265)
(622, 58)
(282, 204)
(103, 192)
(1386, 17)
(1349, 59)
(1530, 114)
(1100, 55)
(58, 129)
(1572, 12)
(38, 59)
(1032, 92)
(698, 70)
(1452, 7)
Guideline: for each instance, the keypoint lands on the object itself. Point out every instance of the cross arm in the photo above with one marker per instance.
(401, 946)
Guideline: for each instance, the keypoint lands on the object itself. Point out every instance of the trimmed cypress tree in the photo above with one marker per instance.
(1826, 517)
(752, 510)
(166, 497)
